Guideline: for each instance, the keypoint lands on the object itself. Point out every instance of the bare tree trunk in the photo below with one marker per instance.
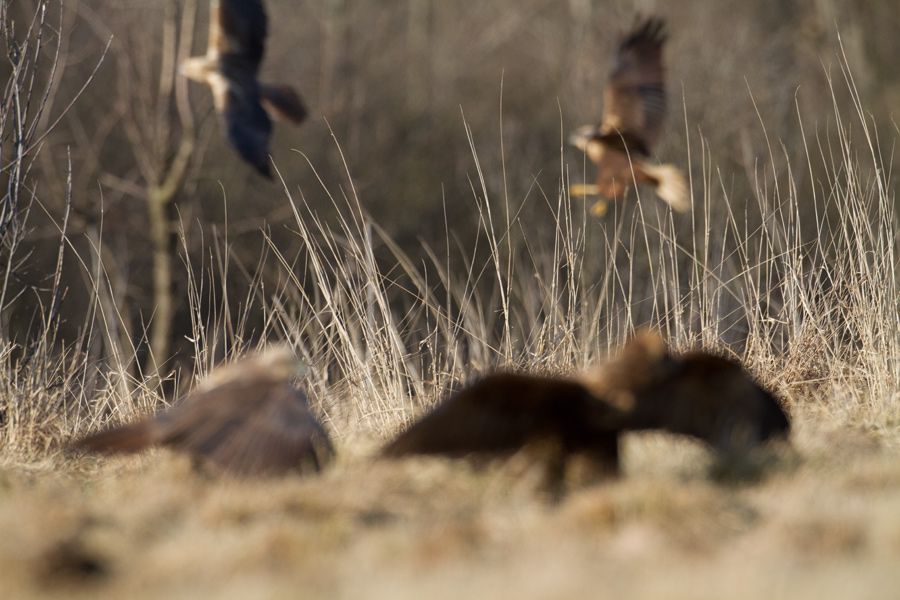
(161, 195)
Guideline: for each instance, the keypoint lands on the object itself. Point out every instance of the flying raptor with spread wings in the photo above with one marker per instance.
(634, 105)
(245, 419)
(237, 35)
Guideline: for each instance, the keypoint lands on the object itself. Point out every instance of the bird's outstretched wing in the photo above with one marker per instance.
(247, 124)
(634, 100)
(500, 414)
(124, 439)
(237, 33)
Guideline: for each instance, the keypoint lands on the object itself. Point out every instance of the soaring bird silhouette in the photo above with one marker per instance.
(634, 107)
(245, 418)
(237, 35)
(698, 394)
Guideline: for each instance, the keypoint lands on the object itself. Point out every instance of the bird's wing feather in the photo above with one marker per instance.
(282, 102)
(281, 435)
(497, 414)
(274, 434)
(635, 97)
(247, 125)
(237, 32)
(133, 437)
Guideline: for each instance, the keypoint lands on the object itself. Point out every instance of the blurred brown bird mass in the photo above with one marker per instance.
(245, 418)
(505, 412)
(700, 395)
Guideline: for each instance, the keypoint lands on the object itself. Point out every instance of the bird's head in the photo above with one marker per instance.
(642, 364)
(278, 363)
(282, 362)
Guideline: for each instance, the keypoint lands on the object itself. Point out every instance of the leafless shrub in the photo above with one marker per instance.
(32, 51)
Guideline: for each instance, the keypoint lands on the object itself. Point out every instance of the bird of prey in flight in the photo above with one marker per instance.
(237, 35)
(246, 419)
(634, 105)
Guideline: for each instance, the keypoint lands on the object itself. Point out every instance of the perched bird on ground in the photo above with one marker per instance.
(698, 394)
(245, 418)
(505, 412)
(564, 418)
(237, 35)
(644, 387)
(634, 106)
(715, 400)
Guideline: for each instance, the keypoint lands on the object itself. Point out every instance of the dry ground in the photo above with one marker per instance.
(823, 522)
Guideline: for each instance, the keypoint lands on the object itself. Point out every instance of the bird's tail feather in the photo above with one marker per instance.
(124, 439)
(671, 186)
(283, 102)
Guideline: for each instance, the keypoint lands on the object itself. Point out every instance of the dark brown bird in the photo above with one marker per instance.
(245, 418)
(237, 36)
(698, 394)
(713, 399)
(634, 107)
(505, 412)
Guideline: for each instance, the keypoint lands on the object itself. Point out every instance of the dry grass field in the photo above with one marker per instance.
(821, 524)
(788, 261)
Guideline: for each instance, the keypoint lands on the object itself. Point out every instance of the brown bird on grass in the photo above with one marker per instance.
(572, 419)
(237, 35)
(634, 107)
(710, 398)
(245, 418)
(505, 412)
(698, 394)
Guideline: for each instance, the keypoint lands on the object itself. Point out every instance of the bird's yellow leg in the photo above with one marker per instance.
(599, 208)
(580, 190)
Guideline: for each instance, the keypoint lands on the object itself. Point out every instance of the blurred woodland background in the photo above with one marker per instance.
(403, 96)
